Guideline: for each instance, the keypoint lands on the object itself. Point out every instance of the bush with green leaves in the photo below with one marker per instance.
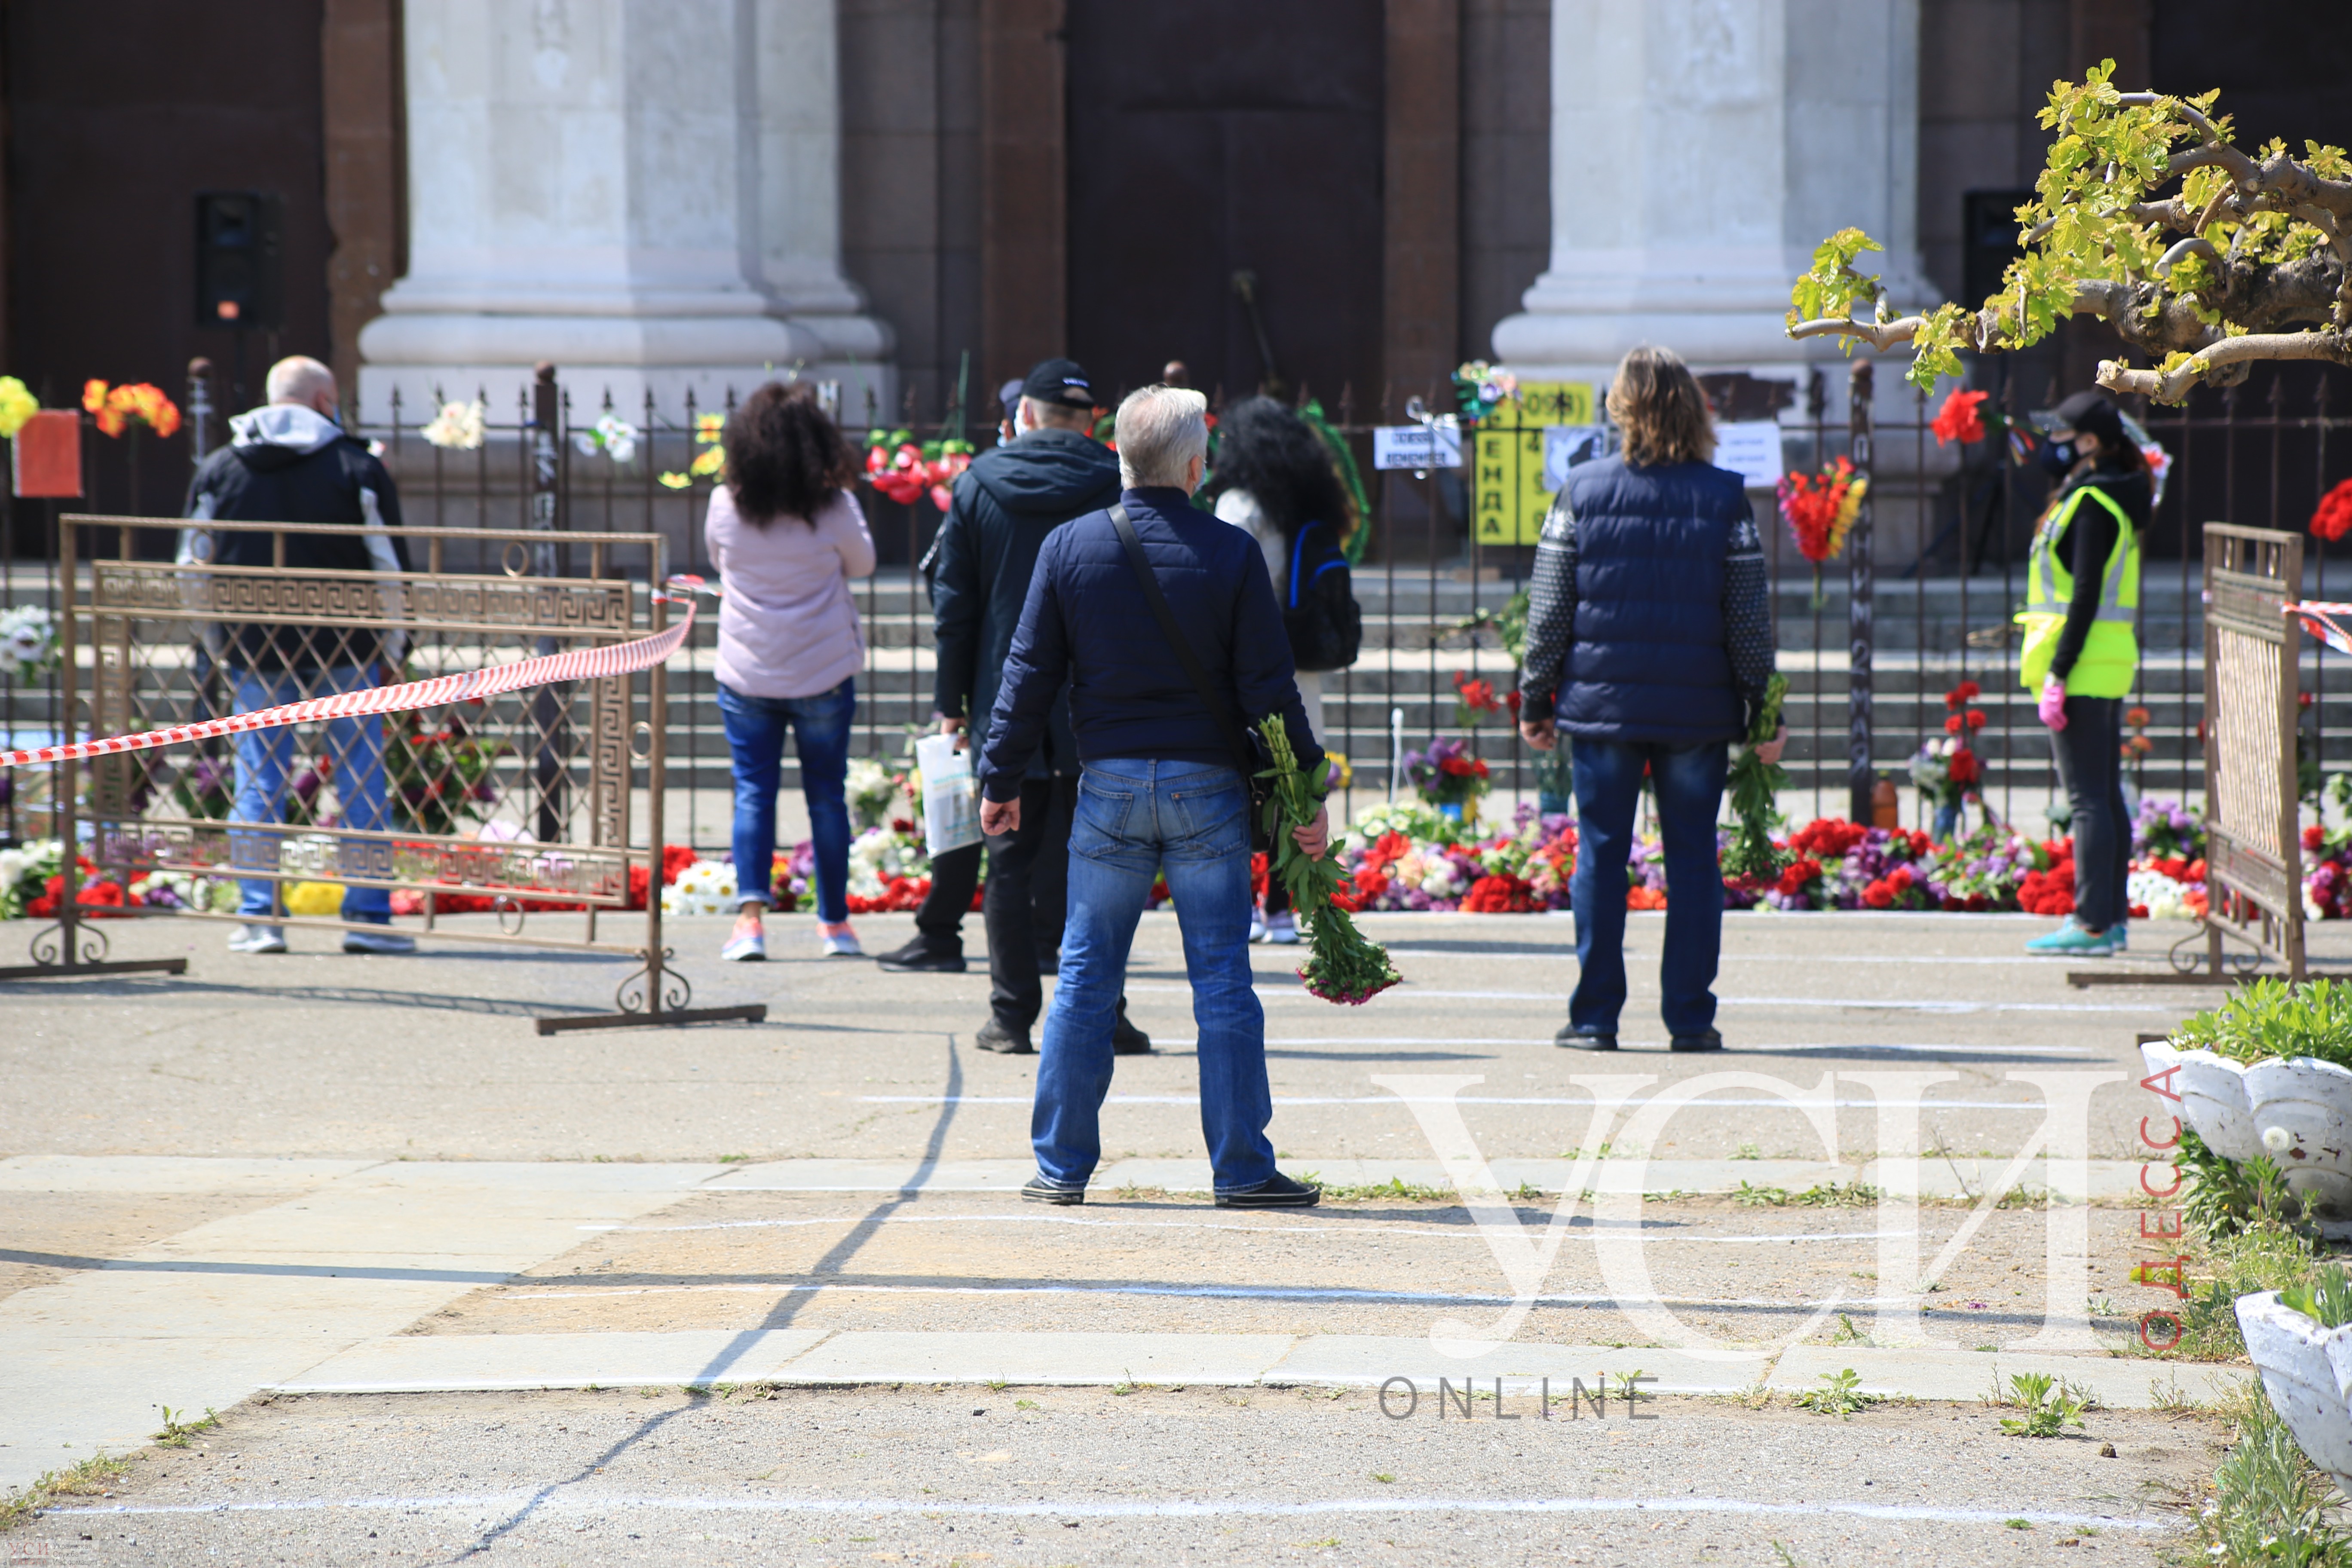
(2203, 257)
(2326, 1297)
(2271, 1018)
(2268, 1509)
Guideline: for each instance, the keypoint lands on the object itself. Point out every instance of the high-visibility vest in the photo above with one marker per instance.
(2110, 655)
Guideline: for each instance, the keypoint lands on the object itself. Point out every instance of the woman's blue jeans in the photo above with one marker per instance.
(1135, 818)
(820, 732)
(1689, 784)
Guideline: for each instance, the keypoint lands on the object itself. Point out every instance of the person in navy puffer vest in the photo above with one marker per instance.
(1649, 644)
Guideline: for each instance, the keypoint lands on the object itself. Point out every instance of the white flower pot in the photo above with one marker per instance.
(2299, 1361)
(2303, 1121)
(2213, 1098)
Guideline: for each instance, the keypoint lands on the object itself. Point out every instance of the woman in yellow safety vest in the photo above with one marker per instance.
(2081, 654)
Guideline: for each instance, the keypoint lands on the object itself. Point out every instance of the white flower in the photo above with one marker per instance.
(459, 427)
(705, 888)
(613, 436)
(2277, 1139)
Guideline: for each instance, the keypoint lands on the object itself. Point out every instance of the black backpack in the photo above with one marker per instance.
(1319, 612)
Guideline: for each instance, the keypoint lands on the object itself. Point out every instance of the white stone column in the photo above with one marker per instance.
(1700, 149)
(645, 192)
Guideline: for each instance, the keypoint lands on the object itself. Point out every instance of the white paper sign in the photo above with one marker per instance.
(1437, 444)
(1570, 445)
(951, 795)
(1752, 450)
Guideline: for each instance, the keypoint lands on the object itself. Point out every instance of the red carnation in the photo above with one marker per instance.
(1958, 419)
(2334, 518)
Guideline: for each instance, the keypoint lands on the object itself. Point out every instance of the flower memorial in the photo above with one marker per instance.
(902, 472)
(1820, 509)
(115, 408)
(1948, 771)
(1342, 964)
(1448, 777)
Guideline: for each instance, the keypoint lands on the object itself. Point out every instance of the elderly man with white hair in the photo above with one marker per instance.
(1164, 622)
(292, 461)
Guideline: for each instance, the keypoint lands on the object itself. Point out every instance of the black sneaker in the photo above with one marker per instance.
(1276, 1192)
(1038, 1189)
(924, 956)
(1126, 1040)
(1575, 1042)
(1707, 1040)
(998, 1037)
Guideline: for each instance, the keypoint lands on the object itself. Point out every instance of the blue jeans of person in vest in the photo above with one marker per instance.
(819, 726)
(1135, 818)
(265, 758)
(1689, 784)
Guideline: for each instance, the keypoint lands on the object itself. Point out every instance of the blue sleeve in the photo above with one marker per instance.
(1265, 680)
(1036, 669)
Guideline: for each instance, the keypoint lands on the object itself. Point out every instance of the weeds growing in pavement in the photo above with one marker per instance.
(2050, 1405)
(2326, 1297)
(2267, 1506)
(2265, 1256)
(1839, 1396)
(1847, 1334)
(178, 1428)
(92, 1478)
(1833, 1194)
(2227, 1196)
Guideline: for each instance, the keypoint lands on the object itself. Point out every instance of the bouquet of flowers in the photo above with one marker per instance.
(1342, 964)
(1481, 387)
(1752, 860)
(904, 471)
(1820, 509)
(2165, 829)
(1447, 775)
(439, 778)
(28, 640)
(116, 407)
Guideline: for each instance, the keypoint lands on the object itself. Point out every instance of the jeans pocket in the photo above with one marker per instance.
(1099, 822)
(1211, 817)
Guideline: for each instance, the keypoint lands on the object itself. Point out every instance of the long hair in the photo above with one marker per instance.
(1657, 403)
(784, 457)
(1266, 449)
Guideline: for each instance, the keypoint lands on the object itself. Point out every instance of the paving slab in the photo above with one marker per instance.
(2117, 1382)
(410, 1363)
(1077, 1358)
(166, 1173)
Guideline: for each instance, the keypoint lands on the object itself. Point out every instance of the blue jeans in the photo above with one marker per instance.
(1689, 784)
(755, 734)
(1134, 819)
(264, 758)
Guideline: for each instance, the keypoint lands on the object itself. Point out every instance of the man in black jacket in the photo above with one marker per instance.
(1163, 788)
(291, 461)
(1005, 504)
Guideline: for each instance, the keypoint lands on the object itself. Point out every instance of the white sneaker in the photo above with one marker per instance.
(1281, 928)
(840, 941)
(746, 947)
(1257, 925)
(378, 939)
(257, 938)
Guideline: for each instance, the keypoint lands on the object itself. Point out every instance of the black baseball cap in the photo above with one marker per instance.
(1059, 381)
(2090, 410)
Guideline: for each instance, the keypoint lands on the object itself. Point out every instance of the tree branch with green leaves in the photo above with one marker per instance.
(2204, 258)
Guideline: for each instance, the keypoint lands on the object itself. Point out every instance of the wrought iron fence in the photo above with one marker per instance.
(1922, 603)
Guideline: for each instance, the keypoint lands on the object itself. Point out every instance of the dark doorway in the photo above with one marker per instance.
(1213, 138)
(117, 116)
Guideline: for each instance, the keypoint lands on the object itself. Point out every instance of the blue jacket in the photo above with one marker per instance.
(1649, 661)
(1005, 504)
(1088, 623)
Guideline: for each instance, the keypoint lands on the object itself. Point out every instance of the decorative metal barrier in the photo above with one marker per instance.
(523, 799)
(2253, 681)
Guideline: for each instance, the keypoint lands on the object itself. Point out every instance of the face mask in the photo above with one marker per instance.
(2056, 457)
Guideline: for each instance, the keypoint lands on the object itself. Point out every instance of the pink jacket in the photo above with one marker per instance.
(786, 625)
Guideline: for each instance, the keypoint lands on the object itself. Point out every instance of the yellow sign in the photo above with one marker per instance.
(1509, 493)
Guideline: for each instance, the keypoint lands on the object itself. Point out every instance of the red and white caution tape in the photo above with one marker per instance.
(579, 664)
(2318, 618)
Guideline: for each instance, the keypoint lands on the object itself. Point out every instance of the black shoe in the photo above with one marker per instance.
(1126, 1040)
(1707, 1040)
(999, 1037)
(924, 956)
(1038, 1190)
(1575, 1042)
(1276, 1192)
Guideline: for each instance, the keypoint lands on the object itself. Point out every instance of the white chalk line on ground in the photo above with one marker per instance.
(518, 1291)
(1745, 1049)
(1233, 1508)
(2017, 1105)
(1450, 1232)
(1567, 953)
(1409, 991)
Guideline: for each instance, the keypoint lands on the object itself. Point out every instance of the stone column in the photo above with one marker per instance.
(645, 192)
(1700, 149)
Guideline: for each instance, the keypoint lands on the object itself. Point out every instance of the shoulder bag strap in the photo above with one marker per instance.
(1243, 758)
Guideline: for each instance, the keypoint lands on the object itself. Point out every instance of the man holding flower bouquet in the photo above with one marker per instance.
(1162, 622)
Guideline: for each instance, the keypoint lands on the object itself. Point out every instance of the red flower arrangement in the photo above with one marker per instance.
(1959, 419)
(117, 406)
(2051, 891)
(903, 472)
(1501, 895)
(2334, 518)
(1821, 507)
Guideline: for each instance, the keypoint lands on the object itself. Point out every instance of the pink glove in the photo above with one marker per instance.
(2054, 703)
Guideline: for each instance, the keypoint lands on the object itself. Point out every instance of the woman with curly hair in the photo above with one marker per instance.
(1276, 482)
(786, 536)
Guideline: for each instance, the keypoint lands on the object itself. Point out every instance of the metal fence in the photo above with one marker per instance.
(1922, 602)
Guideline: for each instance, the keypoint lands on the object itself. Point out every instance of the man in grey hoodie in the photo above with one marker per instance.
(291, 461)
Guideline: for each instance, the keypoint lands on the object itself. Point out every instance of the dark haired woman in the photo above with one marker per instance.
(786, 536)
(1275, 481)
